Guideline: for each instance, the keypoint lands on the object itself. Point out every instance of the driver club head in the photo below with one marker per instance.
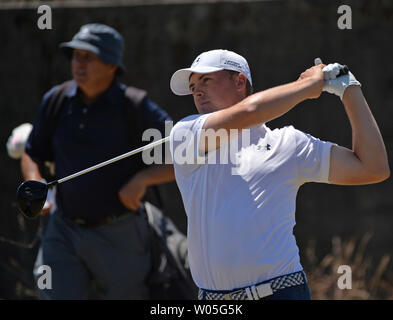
(31, 197)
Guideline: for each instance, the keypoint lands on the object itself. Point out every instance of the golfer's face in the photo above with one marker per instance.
(87, 69)
(213, 91)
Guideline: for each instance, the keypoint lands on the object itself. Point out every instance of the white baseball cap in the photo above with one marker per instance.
(207, 62)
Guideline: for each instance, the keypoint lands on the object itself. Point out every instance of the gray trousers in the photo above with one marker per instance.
(115, 257)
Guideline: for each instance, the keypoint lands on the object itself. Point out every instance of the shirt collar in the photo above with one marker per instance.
(109, 96)
(112, 95)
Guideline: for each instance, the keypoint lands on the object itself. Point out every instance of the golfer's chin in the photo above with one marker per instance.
(80, 79)
(210, 107)
(206, 107)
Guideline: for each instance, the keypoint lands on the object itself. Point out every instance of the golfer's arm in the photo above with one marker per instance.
(157, 174)
(367, 161)
(257, 108)
(29, 168)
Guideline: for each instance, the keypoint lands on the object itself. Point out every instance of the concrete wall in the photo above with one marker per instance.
(280, 39)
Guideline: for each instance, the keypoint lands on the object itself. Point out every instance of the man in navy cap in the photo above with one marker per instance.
(98, 231)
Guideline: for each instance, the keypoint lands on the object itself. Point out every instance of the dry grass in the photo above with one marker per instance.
(370, 279)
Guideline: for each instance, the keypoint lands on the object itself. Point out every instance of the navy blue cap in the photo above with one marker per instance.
(100, 39)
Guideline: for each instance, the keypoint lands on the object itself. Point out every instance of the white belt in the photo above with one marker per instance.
(258, 291)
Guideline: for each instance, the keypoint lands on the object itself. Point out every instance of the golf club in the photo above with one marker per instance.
(31, 195)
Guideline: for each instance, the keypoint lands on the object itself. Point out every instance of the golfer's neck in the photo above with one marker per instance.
(89, 94)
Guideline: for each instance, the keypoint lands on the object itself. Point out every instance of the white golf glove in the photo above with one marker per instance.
(50, 199)
(335, 85)
(17, 141)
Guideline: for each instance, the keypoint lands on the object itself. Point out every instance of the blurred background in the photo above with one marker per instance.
(335, 225)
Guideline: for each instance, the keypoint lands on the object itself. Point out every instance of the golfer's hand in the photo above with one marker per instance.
(132, 192)
(46, 209)
(48, 203)
(316, 78)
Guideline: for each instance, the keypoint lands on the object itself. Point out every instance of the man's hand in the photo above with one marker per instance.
(46, 209)
(339, 85)
(315, 75)
(335, 85)
(133, 191)
(50, 202)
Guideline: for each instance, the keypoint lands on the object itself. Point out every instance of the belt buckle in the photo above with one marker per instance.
(80, 222)
(264, 290)
(256, 292)
(107, 219)
(227, 296)
(103, 221)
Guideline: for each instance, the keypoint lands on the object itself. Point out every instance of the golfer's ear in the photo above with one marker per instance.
(113, 68)
(241, 81)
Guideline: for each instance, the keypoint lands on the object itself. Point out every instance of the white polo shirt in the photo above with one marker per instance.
(241, 213)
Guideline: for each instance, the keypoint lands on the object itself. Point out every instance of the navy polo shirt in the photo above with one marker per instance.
(88, 135)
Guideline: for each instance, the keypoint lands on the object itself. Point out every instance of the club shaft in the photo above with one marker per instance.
(103, 164)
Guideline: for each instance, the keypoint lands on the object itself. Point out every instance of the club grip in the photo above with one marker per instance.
(52, 184)
(344, 70)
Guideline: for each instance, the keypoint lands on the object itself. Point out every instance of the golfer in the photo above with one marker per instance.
(97, 241)
(241, 212)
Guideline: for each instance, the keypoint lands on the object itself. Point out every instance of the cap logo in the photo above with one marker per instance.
(233, 64)
(84, 34)
(85, 31)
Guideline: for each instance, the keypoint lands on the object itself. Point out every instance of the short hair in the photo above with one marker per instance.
(249, 88)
